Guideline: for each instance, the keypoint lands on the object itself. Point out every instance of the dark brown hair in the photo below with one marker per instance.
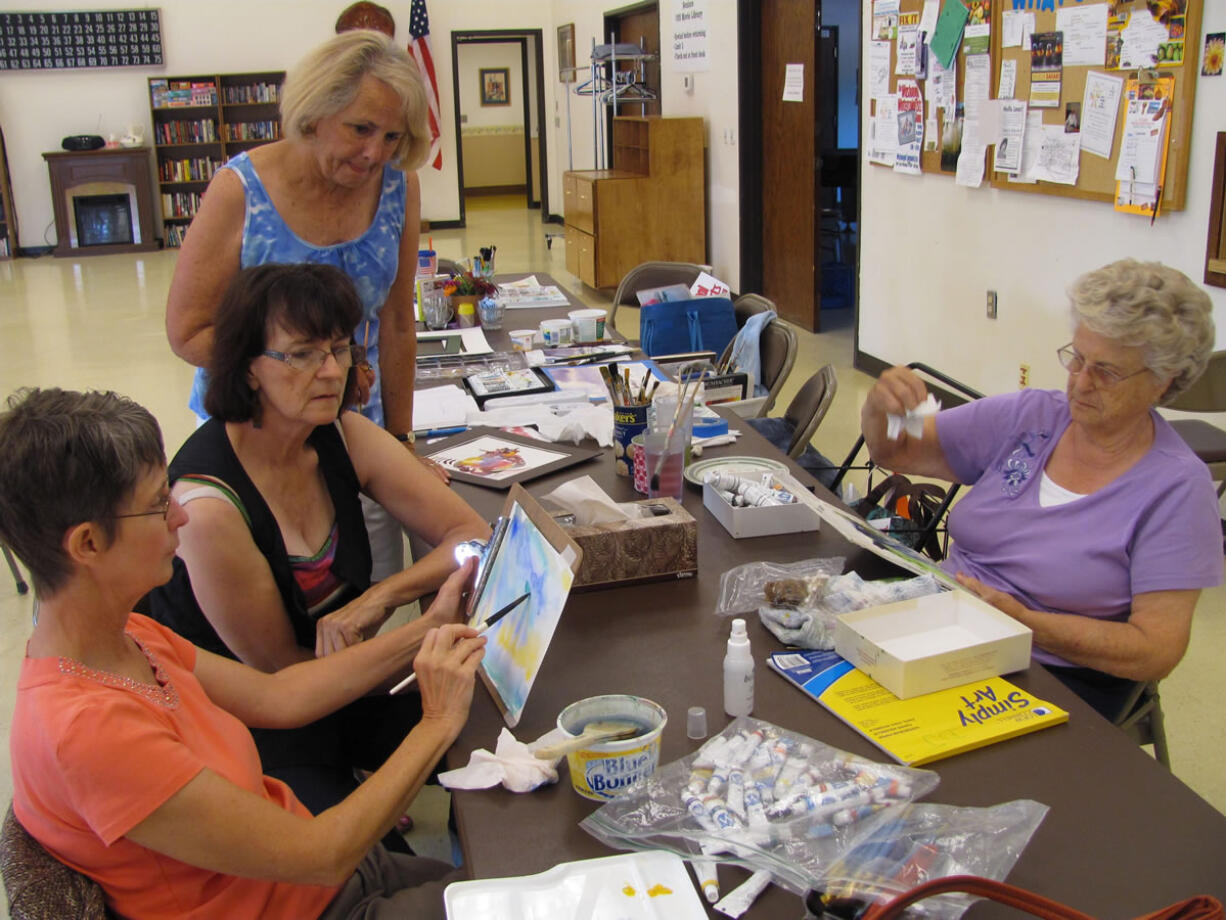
(315, 301)
(68, 458)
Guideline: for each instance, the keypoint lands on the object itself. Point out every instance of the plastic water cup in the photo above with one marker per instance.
(437, 311)
(665, 459)
(490, 312)
(427, 262)
(696, 723)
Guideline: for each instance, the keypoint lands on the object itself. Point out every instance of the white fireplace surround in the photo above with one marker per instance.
(101, 188)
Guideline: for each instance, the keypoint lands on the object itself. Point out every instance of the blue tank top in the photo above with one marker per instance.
(371, 260)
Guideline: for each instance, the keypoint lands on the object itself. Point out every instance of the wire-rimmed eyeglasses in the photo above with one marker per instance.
(1102, 375)
(312, 359)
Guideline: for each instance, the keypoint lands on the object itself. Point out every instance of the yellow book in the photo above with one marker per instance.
(923, 728)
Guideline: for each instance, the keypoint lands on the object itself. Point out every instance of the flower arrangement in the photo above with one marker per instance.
(468, 284)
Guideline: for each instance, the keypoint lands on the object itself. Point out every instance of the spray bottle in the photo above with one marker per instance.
(738, 672)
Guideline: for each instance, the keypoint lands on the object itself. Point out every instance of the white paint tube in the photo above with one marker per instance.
(707, 876)
(741, 898)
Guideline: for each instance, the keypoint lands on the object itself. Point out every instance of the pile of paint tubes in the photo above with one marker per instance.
(746, 492)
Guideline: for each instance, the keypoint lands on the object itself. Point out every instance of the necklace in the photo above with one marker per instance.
(163, 693)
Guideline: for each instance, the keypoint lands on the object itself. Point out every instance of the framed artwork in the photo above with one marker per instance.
(498, 459)
(495, 85)
(566, 53)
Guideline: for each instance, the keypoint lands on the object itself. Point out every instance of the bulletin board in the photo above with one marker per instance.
(1096, 175)
(930, 160)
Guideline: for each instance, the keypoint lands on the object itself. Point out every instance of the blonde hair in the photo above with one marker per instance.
(1155, 307)
(327, 80)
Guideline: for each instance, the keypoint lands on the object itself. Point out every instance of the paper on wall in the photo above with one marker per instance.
(1142, 142)
(1008, 79)
(878, 69)
(1140, 40)
(794, 83)
(1010, 147)
(978, 89)
(1099, 110)
(1011, 28)
(910, 128)
(908, 39)
(1085, 34)
(928, 19)
(1059, 156)
(1031, 142)
(970, 164)
(883, 131)
(942, 87)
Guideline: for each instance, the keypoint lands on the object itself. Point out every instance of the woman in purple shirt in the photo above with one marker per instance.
(1092, 522)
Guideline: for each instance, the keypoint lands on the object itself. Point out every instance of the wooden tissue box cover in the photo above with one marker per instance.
(652, 548)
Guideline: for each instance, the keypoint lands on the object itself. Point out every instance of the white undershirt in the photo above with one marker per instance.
(1051, 494)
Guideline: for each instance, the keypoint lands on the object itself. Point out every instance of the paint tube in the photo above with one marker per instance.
(741, 898)
(791, 769)
(744, 754)
(710, 752)
(721, 814)
(708, 879)
(821, 805)
(698, 811)
(754, 810)
(736, 793)
(719, 779)
(698, 780)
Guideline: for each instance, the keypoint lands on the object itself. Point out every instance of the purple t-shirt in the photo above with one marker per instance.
(1154, 528)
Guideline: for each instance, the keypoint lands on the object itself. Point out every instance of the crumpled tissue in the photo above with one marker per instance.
(582, 421)
(913, 422)
(590, 504)
(512, 764)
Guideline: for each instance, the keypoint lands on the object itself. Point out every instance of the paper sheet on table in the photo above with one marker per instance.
(532, 298)
(1031, 143)
(472, 339)
(1099, 110)
(1140, 40)
(445, 407)
(1008, 80)
(1085, 34)
(1059, 156)
(948, 34)
(1142, 142)
(883, 131)
(878, 69)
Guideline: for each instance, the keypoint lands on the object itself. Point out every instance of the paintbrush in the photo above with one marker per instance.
(672, 428)
(490, 621)
(607, 375)
(593, 733)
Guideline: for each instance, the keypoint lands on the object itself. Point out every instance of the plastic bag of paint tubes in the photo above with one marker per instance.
(799, 601)
(762, 797)
(915, 843)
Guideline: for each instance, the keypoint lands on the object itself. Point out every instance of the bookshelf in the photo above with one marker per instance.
(201, 121)
(8, 217)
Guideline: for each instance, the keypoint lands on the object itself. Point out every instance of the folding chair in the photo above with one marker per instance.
(793, 432)
(1141, 718)
(950, 393)
(652, 275)
(777, 346)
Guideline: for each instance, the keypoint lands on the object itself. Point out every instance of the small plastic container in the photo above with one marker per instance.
(601, 771)
(522, 339)
(588, 324)
(427, 262)
(556, 333)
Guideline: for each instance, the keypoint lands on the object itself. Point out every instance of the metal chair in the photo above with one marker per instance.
(652, 275)
(1207, 394)
(793, 432)
(22, 587)
(449, 267)
(1141, 718)
(777, 346)
(38, 885)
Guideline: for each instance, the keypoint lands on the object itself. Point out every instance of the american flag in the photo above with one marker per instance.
(419, 47)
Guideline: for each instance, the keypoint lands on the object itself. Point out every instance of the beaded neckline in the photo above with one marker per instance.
(163, 693)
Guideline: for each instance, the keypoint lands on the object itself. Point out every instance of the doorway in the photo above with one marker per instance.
(497, 80)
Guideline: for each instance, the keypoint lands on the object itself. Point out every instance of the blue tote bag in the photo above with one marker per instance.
(674, 326)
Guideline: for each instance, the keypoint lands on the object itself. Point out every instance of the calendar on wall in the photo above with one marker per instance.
(102, 38)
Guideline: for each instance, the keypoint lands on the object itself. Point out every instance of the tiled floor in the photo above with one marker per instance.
(98, 323)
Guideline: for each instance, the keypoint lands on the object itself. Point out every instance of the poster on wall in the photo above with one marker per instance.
(95, 38)
(690, 36)
(495, 85)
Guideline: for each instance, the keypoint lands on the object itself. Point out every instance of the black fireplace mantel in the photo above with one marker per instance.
(120, 165)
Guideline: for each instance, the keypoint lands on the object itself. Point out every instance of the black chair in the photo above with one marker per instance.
(950, 393)
(793, 432)
(449, 267)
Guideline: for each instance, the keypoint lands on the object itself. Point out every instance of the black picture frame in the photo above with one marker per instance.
(448, 453)
(474, 383)
(495, 85)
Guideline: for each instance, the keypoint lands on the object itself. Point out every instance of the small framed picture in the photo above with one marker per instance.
(566, 53)
(494, 383)
(495, 85)
(498, 459)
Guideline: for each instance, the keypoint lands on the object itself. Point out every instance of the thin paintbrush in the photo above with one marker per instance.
(484, 628)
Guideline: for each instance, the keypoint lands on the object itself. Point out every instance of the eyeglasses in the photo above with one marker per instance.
(312, 359)
(162, 509)
(1102, 375)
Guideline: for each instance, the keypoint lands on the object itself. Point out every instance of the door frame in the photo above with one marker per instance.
(506, 37)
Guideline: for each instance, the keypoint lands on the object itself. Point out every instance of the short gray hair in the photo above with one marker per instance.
(1153, 306)
(68, 458)
(327, 80)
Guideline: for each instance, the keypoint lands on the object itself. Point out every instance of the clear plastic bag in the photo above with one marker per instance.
(913, 844)
(762, 797)
(742, 589)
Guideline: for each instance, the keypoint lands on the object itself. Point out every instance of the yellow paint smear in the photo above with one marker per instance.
(656, 890)
(629, 891)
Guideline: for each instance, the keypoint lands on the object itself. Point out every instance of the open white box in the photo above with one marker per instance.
(762, 521)
(931, 643)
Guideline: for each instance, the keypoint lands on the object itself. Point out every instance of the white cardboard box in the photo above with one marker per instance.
(760, 522)
(932, 643)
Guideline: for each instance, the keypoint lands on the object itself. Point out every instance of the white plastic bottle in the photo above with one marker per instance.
(738, 672)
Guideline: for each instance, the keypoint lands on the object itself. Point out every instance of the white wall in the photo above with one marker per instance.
(930, 250)
(477, 57)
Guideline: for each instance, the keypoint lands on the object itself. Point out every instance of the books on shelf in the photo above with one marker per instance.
(174, 234)
(200, 131)
(921, 729)
(167, 94)
(180, 204)
(253, 131)
(197, 169)
(252, 93)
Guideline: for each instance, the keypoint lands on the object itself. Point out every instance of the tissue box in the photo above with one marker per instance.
(650, 548)
(760, 522)
(932, 643)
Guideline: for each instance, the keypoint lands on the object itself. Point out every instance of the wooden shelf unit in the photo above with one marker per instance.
(650, 206)
(201, 121)
(8, 216)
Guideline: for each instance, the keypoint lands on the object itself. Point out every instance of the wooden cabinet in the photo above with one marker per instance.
(199, 122)
(650, 206)
(8, 216)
